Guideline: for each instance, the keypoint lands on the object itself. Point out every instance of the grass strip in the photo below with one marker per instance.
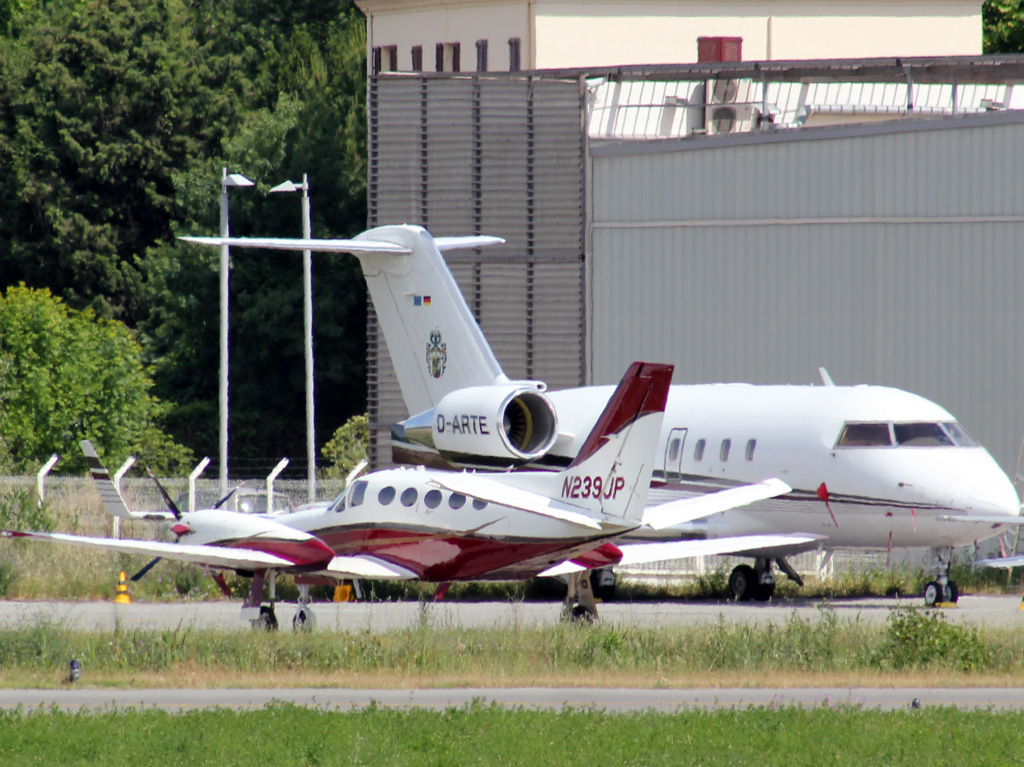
(284, 735)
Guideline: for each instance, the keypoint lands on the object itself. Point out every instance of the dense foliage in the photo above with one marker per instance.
(116, 120)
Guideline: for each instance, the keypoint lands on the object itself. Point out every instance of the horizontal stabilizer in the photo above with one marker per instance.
(642, 553)
(688, 509)
(286, 243)
(212, 556)
(461, 243)
(364, 566)
(493, 491)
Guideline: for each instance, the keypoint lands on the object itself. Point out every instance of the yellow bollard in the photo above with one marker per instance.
(122, 598)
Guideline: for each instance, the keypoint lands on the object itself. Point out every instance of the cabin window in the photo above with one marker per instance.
(409, 496)
(921, 435)
(698, 450)
(386, 495)
(359, 492)
(338, 504)
(723, 452)
(432, 499)
(751, 445)
(865, 435)
(959, 436)
(457, 501)
(479, 505)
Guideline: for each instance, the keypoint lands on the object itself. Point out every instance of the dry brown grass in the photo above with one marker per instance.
(201, 678)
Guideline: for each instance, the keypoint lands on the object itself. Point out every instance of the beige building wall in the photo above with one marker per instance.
(573, 33)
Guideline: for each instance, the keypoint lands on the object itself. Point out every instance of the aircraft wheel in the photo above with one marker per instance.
(267, 620)
(950, 593)
(932, 593)
(304, 620)
(743, 583)
(580, 614)
(764, 592)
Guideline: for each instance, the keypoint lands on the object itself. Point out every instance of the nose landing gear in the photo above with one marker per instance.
(941, 591)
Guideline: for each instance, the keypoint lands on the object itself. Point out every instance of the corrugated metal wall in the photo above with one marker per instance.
(504, 156)
(889, 254)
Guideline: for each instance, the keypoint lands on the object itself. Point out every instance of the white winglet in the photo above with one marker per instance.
(689, 509)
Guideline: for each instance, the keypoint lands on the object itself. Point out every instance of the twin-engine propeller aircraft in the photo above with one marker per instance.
(444, 526)
(872, 467)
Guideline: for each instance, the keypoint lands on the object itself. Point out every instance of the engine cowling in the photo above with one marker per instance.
(486, 426)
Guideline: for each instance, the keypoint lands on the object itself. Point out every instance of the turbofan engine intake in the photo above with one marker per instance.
(486, 425)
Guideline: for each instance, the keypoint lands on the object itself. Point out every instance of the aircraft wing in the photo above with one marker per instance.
(689, 509)
(991, 519)
(321, 246)
(212, 556)
(641, 553)
(365, 566)
(493, 491)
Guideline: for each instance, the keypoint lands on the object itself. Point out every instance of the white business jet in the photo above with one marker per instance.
(871, 467)
(445, 526)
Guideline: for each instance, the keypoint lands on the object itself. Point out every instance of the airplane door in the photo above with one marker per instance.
(674, 455)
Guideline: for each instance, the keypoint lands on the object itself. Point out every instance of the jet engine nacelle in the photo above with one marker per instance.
(487, 425)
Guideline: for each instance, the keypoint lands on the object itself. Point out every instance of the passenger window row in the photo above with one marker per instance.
(432, 499)
(723, 450)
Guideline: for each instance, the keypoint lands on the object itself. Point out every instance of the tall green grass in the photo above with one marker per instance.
(910, 639)
(283, 735)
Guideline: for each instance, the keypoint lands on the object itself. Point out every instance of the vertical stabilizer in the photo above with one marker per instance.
(612, 472)
(434, 341)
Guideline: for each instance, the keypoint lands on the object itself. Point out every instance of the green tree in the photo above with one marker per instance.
(100, 105)
(1002, 24)
(347, 447)
(66, 375)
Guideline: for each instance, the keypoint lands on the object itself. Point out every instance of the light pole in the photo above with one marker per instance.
(227, 180)
(307, 293)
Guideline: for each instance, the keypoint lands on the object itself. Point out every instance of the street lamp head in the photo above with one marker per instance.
(235, 179)
(287, 186)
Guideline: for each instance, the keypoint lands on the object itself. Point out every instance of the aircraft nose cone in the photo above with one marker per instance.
(995, 497)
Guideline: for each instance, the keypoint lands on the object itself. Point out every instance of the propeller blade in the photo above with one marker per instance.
(144, 570)
(171, 505)
(224, 500)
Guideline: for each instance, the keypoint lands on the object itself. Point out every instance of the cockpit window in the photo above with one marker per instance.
(865, 435)
(358, 492)
(959, 436)
(921, 435)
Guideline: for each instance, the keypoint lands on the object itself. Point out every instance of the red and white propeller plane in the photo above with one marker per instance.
(444, 526)
(871, 467)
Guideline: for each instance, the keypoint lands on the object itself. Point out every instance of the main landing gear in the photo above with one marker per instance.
(941, 590)
(757, 583)
(262, 615)
(580, 606)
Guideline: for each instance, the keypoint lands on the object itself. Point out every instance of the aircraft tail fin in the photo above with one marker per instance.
(433, 339)
(612, 471)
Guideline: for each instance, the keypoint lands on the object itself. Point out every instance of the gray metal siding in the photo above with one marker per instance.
(887, 257)
(463, 155)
